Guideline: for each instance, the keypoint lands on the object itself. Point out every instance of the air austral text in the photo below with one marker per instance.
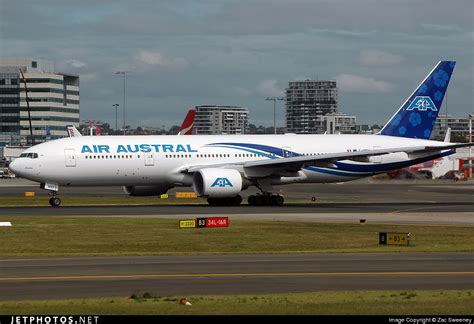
(135, 148)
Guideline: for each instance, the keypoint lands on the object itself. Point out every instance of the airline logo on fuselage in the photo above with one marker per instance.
(135, 148)
(422, 103)
(222, 182)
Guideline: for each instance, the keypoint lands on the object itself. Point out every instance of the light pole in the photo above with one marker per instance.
(274, 110)
(123, 73)
(116, 108)
(471, 117)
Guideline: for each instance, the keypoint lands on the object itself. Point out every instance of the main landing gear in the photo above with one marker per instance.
(228, 201)
(54, 201)
(266, 199)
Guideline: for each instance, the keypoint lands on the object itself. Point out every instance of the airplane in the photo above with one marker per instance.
(220, 167)
(188, 123)
(72, 131)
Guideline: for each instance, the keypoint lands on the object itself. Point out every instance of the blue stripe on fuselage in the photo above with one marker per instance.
(265, 148)
(247, 150)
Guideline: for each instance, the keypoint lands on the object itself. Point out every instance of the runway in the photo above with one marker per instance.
(358, 191)
(382, 213)
(438, 202)
(56, 278)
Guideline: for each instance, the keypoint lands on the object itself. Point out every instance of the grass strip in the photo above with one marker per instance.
(384, 302)
(128, 236)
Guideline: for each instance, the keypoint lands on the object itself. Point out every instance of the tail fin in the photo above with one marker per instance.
(417, 116)
(447, 137)
(188, 123)
(72, 131)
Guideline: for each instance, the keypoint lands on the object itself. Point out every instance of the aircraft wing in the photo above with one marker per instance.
(299, 162)
(333, 157)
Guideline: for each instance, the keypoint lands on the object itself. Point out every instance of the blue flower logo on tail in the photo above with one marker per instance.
(440, 78)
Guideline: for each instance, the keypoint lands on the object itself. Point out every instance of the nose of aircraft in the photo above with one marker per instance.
(14, 166)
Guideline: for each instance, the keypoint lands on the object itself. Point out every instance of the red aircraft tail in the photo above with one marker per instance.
(188, 123)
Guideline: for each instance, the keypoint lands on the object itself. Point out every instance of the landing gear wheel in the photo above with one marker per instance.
(54, 201)
(237, 200)
(278, 200)
(252, 200)
(266, 200)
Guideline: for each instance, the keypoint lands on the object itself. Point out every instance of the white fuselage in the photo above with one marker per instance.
(159, 160)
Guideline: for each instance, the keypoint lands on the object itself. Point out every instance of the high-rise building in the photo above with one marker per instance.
(53, 100)
(339, 123)
(306, 102)
(210, 120)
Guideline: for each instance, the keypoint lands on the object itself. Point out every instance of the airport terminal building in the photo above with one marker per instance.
(53, 100)
(459, 126)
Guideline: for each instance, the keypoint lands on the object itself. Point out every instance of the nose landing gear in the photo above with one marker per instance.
(54, 201)
(53, 189)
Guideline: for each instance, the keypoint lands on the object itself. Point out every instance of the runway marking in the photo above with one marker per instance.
(227, 275)
(412, 209)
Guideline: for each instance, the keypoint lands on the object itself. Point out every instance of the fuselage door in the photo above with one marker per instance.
(149, 159)
(70, 157)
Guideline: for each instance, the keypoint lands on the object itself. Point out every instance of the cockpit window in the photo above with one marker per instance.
(29, 155)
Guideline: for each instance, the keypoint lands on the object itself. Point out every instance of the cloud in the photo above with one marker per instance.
(446, 28)
(242, 91)
(374, 57)
(65, 65)
(269, 88)
(157, 59)
(153, 58)
(76, 64)
(89, 77)
(356, 83)
(178, 59)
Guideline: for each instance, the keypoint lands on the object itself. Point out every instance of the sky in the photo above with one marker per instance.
(181, 54)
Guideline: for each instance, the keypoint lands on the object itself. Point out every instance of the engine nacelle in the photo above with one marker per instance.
(217, 183)
(145, 190)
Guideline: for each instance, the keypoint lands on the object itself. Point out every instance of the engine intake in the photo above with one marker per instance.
(217, 183)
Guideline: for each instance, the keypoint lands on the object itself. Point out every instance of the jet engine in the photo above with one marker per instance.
(218, 183)
(145, 190)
